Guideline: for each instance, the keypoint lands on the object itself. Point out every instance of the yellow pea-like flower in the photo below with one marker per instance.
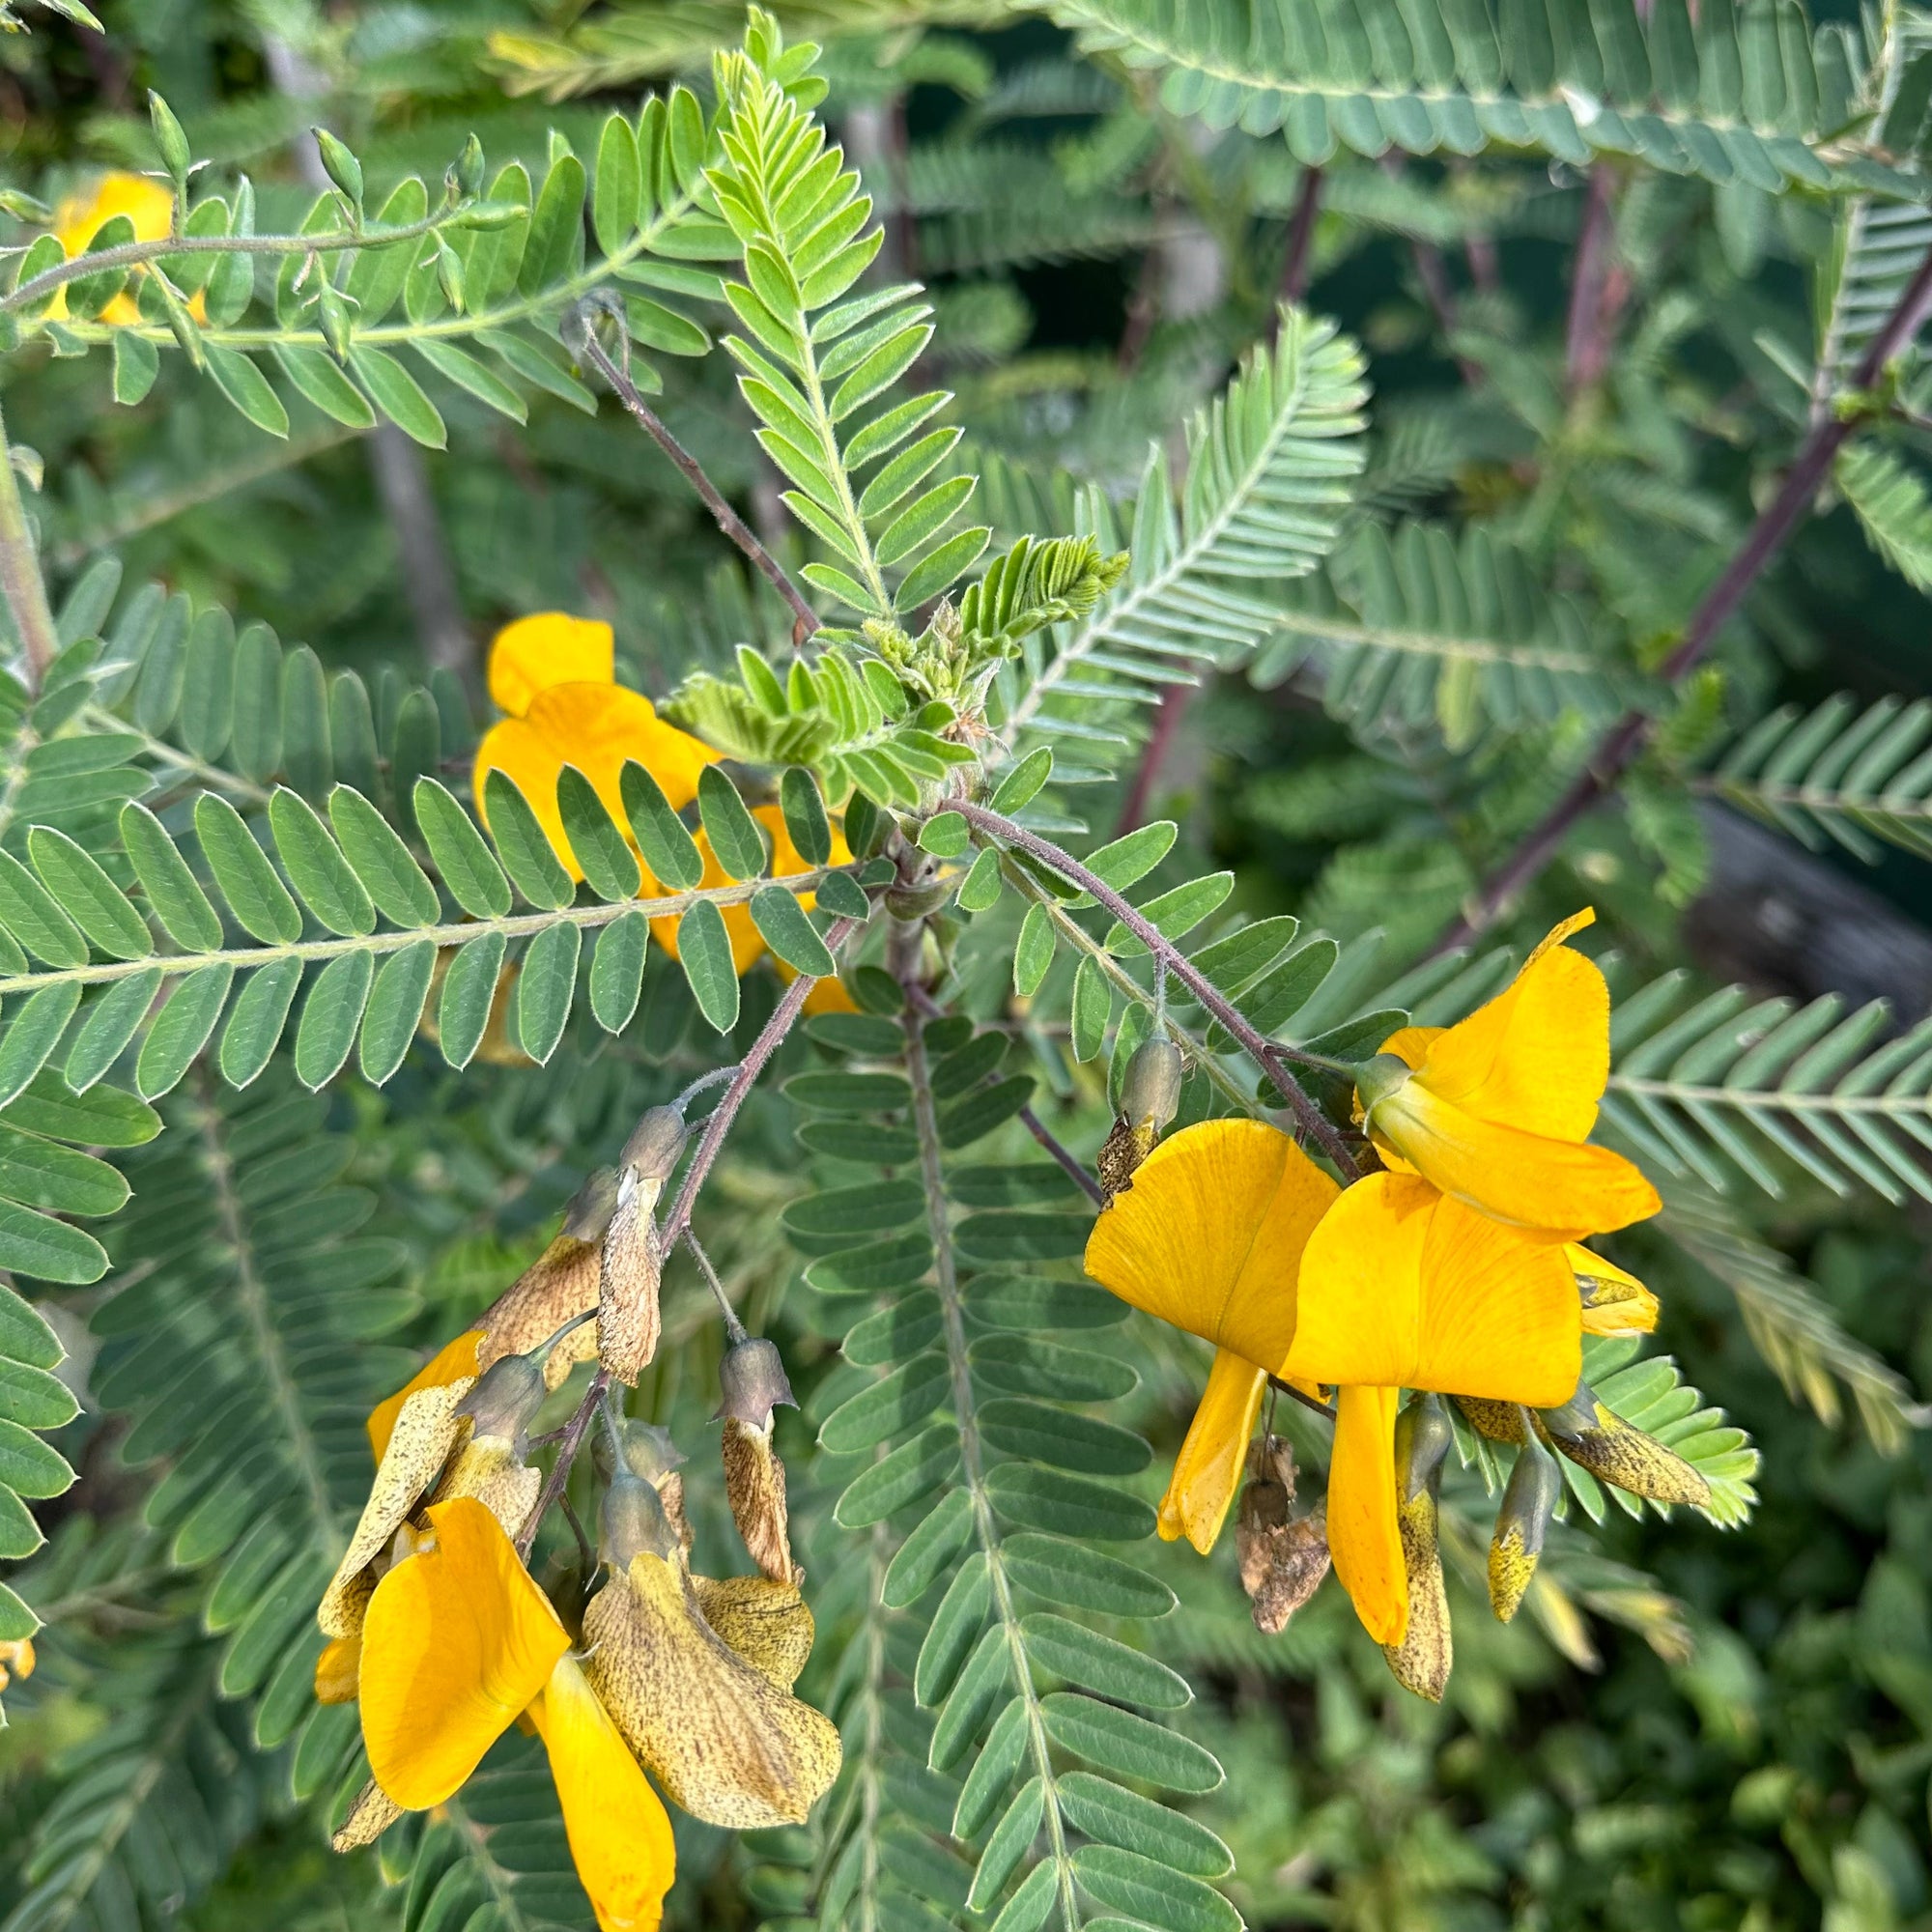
(145, 202)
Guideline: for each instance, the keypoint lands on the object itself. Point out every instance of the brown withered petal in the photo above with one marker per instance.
(1619, 1452)
(1499, 1421)
(427, 1429)
(768, 1623)
(489, 1469)
(671, 1492)
(372, 1814)
(754, 1484)
(1288, 1565)
(1266, 1507)
(720, 1736)
(627, 1301)
(1421, 1661)
(561, 1282)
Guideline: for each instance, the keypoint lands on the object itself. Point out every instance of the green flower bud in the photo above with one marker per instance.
(1529, 1501)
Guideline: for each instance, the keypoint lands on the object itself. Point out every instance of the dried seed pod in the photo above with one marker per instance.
(1529, 1501)
(1282, 1557)
(1422, 1660)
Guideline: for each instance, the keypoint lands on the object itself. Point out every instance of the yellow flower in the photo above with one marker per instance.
(1614, 1302)
(146, 203)
(1231, 1232)
(1496, 1109)
(17, 1659)
(1209, 1237)
(552, 674)
(458, 1644)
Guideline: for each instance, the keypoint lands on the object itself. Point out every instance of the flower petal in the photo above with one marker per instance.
(451, 1363)
(426, 1431)
(597, 727)
(767, 1623)
(515, 748)
(1208, 1471)
(337, 1669)
(1209, 1237)
(1614, 1301)
(1537, 1055)
(1364, 1532)
(716, 1733)
(620, 1837)
(1358, 1302)
(1530, 1180)
(551, 647)
(561, 1283)
(457, 1643)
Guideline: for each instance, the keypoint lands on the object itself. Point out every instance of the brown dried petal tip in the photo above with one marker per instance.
(1282, 1557)
(627, 1300)
(754, 1483)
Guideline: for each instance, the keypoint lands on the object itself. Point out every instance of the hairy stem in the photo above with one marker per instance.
(1272, 1058)
(727, 520)
(20, 580)
(1619, 746)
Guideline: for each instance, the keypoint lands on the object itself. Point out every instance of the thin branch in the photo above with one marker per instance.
(1153, 755)
(1587, 331)
(1302, 237)
(717, 1124)
(1621, 745)
(132, 254)
(734, 1329)
(20, 580)
(1271, 1057)
(723, 514)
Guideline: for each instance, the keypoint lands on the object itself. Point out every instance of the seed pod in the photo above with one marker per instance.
(1282, 1557)
(1420, 1661)
(1600, 1441)
(1522, 1523)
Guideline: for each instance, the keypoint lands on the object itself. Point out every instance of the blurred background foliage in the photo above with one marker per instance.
(1699, 1729)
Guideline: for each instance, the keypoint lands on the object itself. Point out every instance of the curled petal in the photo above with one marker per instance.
(337, 1669)
(1614, 1301)
(427, 1429)
(754, 1485)
(551, 647)
(1210, 1236)
(716, 1733)
(457, 1643)
(620, 1837)
(1208, 1471)
(561, 1282)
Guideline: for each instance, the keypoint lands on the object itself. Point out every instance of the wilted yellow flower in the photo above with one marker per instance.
(1496, 1110)
(146, 203)
(458, 1644)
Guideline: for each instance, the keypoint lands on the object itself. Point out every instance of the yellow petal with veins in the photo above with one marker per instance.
(1364, 1531)
(620, 1838)
(1208, 1471)
(1402, 1287)
(457, 1642)
(716, 1733)
(1210, 1236)
(551, 647)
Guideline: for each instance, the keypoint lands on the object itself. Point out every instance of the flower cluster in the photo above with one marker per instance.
(1455, 1270)
(438, 1632)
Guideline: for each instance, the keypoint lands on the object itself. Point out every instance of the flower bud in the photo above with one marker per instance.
(632, 1523)
(914, 902)
(505, 1400)
(752, 1379)
(1522, 1523)
(1150, 1098)
(1376, 1079)
(656, 1142)
(1420, 1661)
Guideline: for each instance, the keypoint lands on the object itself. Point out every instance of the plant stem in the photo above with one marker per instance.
(20, 580)
(717, 1124)
(1618, 749)
(1302, 237)
(1153, 755)
(727, 520)
(1271, 1057)
(1586, 329)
